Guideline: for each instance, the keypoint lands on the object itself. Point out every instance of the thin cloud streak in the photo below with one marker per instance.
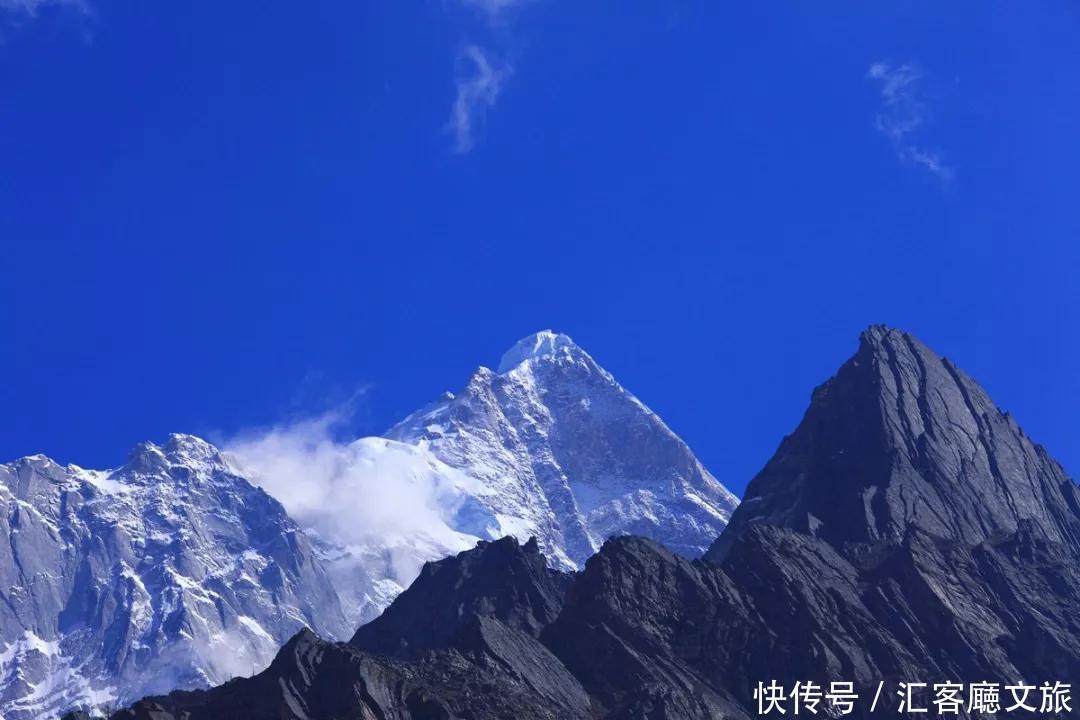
(902, 113)
(495, 9)
(16, 15)
(493, 6)
(479, 83)
(30, 8)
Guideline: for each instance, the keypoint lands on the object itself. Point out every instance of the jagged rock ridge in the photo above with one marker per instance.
(174, 571)
(901, 438)
(906, 590)
(168, 572)
(487, 661)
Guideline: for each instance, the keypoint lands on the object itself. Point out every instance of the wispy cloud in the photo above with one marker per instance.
(367, 493)
(18, 14)
(479, 82)
(482, 69)
(30, 8)
(495, 8)
(902, 113)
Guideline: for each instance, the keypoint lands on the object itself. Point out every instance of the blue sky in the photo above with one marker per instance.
(220, 216)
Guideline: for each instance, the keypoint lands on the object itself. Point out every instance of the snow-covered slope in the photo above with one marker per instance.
(169, 572)
(550, 446)
(376, 510)
(174, 571)
(564, 453)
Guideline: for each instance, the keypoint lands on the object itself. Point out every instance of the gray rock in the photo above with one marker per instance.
(907, 531)
(175, 572)
(487, 665)
(168, 572)
(902, 438)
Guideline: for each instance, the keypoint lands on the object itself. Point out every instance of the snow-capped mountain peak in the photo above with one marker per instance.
(569, 456)
(181, 457)
(187, 565)
(545, 343)
(169, 571)
(551, 447)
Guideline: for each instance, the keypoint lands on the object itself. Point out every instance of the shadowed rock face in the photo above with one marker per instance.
(907, 530)
(901, 438)
(501, 580)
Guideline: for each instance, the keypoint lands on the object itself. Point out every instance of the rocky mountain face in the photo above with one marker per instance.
(902, 439)
(168, 572)
(947, 555)
(499, 580)
(568, 456)
(549, 446)
(484, 662)
(176, 572)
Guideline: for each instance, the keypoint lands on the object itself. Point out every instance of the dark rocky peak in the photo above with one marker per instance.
(310, 678)
(898, 438)
(502, 580)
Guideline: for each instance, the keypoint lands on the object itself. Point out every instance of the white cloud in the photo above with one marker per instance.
(479, 82)
(902, 113)
(480, 73)
(368, 494)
